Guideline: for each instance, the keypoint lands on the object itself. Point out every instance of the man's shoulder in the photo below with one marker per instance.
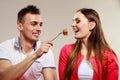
(7, 42)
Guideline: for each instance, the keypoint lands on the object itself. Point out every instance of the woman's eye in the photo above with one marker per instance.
(77, 20)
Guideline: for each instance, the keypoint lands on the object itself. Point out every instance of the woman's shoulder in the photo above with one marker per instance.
(109, 53)
(110, 56)
(66, 49)
(67, 46)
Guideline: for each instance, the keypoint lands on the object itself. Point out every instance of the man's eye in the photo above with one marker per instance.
(41, 24)
(34, 23)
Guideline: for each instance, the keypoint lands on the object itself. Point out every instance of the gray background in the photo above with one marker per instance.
(57, 15)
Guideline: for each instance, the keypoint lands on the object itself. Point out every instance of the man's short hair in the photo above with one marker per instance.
(29, 9)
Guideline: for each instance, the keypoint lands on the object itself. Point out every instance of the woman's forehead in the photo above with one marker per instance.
(78, 15)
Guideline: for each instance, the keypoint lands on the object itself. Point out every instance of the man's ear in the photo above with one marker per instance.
(19, 26)
(92, 24)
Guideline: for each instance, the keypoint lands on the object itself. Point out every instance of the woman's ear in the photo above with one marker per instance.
(92, 24)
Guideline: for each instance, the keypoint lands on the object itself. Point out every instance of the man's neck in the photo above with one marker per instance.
(27, 46)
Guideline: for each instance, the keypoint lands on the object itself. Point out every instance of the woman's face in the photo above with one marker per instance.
(81, 26)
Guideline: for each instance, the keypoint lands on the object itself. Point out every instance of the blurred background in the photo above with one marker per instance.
(57, 15)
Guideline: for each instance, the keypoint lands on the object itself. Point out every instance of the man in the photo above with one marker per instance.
(26, 58)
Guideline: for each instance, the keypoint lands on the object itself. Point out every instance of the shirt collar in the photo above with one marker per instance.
(18, 46)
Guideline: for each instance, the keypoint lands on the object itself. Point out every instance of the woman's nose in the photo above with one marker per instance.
(73, 24)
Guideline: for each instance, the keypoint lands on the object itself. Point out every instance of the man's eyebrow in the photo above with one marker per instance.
(34, 22)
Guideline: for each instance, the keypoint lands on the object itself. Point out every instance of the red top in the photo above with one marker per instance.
(110, 60)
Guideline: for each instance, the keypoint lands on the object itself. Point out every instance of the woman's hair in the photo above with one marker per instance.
(96, 44)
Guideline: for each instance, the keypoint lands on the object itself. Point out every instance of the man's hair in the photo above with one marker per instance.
(29, 9)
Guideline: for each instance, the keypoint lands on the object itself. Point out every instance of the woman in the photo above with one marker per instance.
(90, 57)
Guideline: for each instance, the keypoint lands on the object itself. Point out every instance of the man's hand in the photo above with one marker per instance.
(44, 47)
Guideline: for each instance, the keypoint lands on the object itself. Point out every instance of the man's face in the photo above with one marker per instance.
(31, 27)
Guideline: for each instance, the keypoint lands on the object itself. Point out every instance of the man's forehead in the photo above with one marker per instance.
(33, 18)
(37, 16)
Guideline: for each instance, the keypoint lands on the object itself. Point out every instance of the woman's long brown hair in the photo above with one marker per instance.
(96, 43)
